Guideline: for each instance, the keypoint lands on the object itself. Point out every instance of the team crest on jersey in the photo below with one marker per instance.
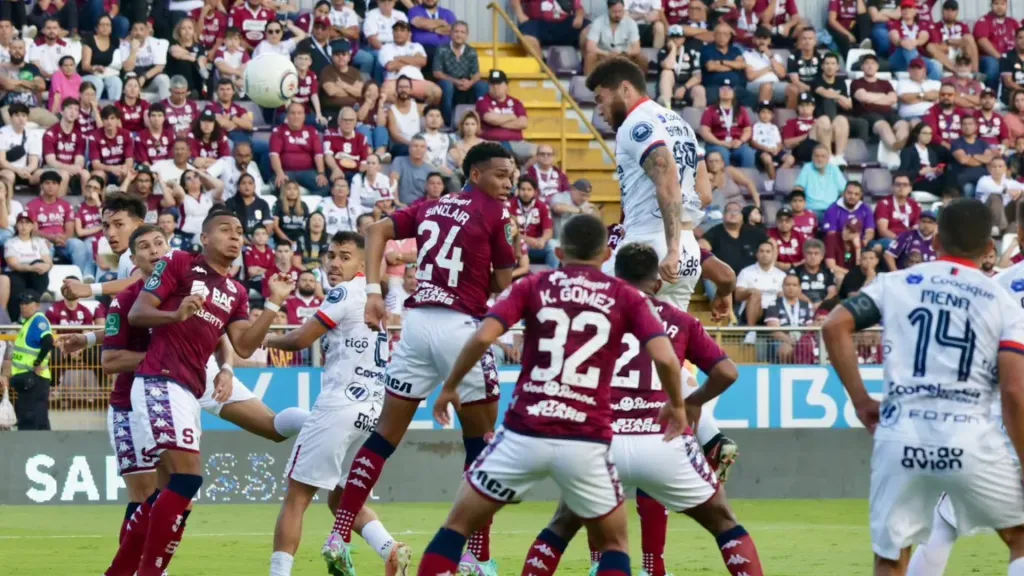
(336, 294)
(508, 233)
(1017, 285)
(915, 279)
(113, 324)
(154, 279)
(642, 131)
(889, 413)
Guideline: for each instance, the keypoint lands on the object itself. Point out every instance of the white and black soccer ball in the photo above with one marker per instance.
(271, 80)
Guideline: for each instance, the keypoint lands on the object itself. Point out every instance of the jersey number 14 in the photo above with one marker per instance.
(927, 329)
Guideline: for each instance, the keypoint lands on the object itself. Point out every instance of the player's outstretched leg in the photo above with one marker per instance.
(168, 513)
(477, 421)
(470, 512)
(547, 549)
(653, 533)
(930, 558)
(735, 544)
(1014, 539)
(608, 533)
(720, 451)
(255, 417)
(397, 556)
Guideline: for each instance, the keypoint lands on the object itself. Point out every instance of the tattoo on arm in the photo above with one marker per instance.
(661, 168)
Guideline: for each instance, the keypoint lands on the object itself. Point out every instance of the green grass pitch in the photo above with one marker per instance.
(794, 538)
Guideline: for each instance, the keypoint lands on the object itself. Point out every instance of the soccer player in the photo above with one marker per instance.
(345, 411)
(956, 335)
(466, 252)
(560, 425)
(663, 476)
(665, 185)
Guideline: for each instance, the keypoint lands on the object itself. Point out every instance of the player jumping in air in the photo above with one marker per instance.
(930, 558)
(560, 422)
(956, 337)
(466, 252)
(345, 412)
(189, 302)
(671, 475)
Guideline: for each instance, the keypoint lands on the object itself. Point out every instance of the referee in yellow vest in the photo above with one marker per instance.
(30, 366)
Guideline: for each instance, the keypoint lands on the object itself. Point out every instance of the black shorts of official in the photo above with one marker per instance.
(553, 33)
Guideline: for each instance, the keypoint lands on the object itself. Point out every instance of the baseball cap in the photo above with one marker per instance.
(917, 63)
(340, 47)
(29, 297)
(784, 212)
(805, 97)
(764, 105)
(49, 176)
(497, 77)
(908, 4)
(401, 24)
(988, 92)
(929, 214)
(322, 21)
(727, 83)
(675, 31)
(853, 225)
(23, 216)
(583, 185)
(207, 114)
(950, 5)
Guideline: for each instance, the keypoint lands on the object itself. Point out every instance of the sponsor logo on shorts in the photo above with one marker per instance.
(931, 458)
(496, 489)
(636, 426)
(556, 390)
(398, 386)
(427, 293)
(365, 422)
(556, 409)
(938, 391)
(628, 403)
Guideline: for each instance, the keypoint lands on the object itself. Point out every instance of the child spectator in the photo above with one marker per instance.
(65, 83)
(231, 60)
(88, 221)
(804, 220)
(258, 258)
(767, 141)
(788, 242)
(168, 223)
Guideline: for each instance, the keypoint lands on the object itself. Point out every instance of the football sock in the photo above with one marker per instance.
(930, 558)
(378, 537)
(653, 532)
(707, 428)
(366, 469)
(1016, 567)
(595, 556)
(613, 563)
(129, 511)
(165, 523)
(126, 560)
(442, 554)
(172, 548)
(289, 422)
(480, 541)
(739, 552)
(545, 554)
(281, 564)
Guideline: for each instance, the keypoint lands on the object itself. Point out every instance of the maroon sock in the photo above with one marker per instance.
(614, 563)
(164, 533)
(441, 557)
(595, 556)
(133, 539)
(480, 543)
(366, 469)
(545, 554)
(129, 511)
(739, 553)
(172, 548)
(653, 533)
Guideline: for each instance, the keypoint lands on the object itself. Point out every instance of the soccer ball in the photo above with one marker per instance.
(271, 80)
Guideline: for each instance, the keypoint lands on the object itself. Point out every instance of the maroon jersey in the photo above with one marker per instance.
(180, 118)
(50, 218)
(65, 146)
(943, 33)
(907, 31)
(254, 257)
(726, 124)
(992, 130)
(999, 31)
(297, 148)
(616, 232)
(113, 150)
(233, 110)
(577, 320)
(806, 223)
(797, 127)
(945, 125)
(508, 106)
(133, 118)
(676, 11)
(637, 396)
(86, 122)
(790, 251)
(460, 238)
(299, 310)
(210, 28)
(251, 23)
(120, 335)
(273, 270)
(179, 351)
(150, 148)
(533, 219)
(308, 86)
(212, 149)
(785, 10)
(60, 315)
(90, 217)
(900, 218)
(341, 147)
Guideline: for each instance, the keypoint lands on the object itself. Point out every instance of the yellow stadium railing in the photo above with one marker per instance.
(497, 15)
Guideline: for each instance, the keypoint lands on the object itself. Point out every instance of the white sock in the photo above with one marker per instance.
(281, 564)
(377, 536)
(931, 557)
(707, 428)
(289, 421)
(1016, 567)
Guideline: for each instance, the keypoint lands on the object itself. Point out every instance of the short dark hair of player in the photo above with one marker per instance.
(347, 237)
(110, 110)
(584, 237)
(636, 263)
(217, 212)
(17, 108)
(612, 72)
(120, 202)
(70, 102)
(483, 152)
(140, 232)
(156, 107)
(965, 228)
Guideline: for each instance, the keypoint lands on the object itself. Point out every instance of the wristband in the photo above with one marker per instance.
(373, 289)
(226, 366)
(90, 339)
(97, 289)
(268, 305)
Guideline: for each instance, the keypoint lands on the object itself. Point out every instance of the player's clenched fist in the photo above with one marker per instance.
(445, 398)
(74, 289)
(374, 312)
(669, 267)
(281, 285)
(189, 306)
(222, 385)
(72, 343)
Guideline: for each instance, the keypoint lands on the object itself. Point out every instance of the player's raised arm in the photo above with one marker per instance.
(661, 168)
(854, 314)
(247, 336)
(377, 237)
(299, 339)
(72, 289)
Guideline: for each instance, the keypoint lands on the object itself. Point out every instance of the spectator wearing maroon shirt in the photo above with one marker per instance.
(345, 149)
(945, 119)
(212, 22)
(207, 141)
(64, 148)
(843, 249)
(251, 17)
(994, 33)
(534, 220)
(303, 304)
(789, 244)
(55, 221)
(550, 179)
(237, 122)
(875, 101)
(801, 135)
(154, 142)
(88, 220)
(908, 37)
(545, 23)
(992, 126)
(115, 148)
(283, 264)
(847, 23)
(297, 153)
(180, 111)
(727, 129)
(968, 88)
(804, 221)
(950, 37)
(897, 213)
(258, 257)
(132, 105)
(783, 18)
(308, 93)
(503, 117)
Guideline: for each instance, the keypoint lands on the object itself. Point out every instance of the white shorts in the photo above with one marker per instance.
(983, 486)
(169, 416)
(127, 436)
(239, 393)
(512, 463)
(677, 294)
(432, 339)
(674, 473)
(329, 440)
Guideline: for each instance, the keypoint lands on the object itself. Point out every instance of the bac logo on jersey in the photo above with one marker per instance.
(223, 301)
(889, 414)
(642, 131)
(1017, 285)
(915, 279)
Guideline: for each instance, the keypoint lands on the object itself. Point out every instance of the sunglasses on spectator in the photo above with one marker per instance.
(274, 30)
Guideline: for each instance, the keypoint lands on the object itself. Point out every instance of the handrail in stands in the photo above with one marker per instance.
(499, 12)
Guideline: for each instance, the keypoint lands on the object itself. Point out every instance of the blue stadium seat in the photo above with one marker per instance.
(257, 114)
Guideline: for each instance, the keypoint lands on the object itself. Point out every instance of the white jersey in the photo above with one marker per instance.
(945, 323)
(1012, 280)
(354, 355)
(648, 126)
(125, 266)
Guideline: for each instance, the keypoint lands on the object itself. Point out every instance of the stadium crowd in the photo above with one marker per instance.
(391, 96)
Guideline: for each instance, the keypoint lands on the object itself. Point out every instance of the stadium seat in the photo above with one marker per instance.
(769, 208)
(783, 115)
(57, 275)
(877, 182)
(758, 179)
(578, 91)
(785, 179)
(783, 53)
(460, 111)
(853, 59)
(564, 60)
(692, 117)
(271, 201)
(311, 201)
(923, 198)
(258, 123)
(261, 137)
(603, 126)
(858, 156)
(652, 57)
